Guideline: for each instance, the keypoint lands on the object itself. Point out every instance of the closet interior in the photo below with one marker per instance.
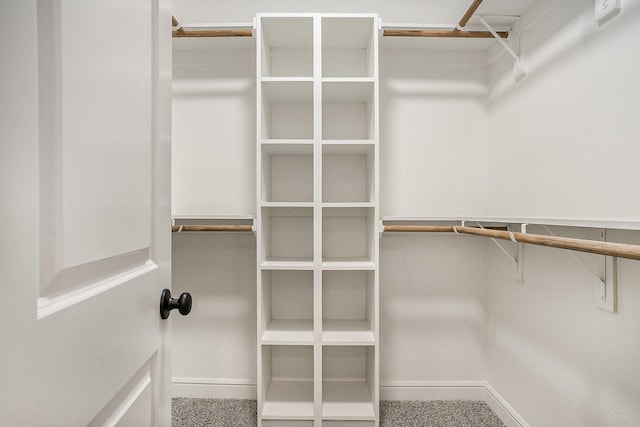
(331, 180)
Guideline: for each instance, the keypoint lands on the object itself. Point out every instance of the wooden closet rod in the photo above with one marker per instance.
(454, 33)
(468, 14)
(444, 33)
(181, 32)
(241, 228)
(213, 33)
(620, 250)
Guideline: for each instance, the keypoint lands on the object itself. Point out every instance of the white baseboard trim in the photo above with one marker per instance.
(213, 388)
(503, 410)
(216, 388)
(453, 390)
(432, 390)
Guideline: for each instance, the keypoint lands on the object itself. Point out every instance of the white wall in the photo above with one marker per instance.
(564, 141)
(433, 148)
(432, 309)
(215, 345)
(433, 133)
(214, 129)
(213, 153)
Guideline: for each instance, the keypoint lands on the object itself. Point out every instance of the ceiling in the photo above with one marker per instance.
(391, 12)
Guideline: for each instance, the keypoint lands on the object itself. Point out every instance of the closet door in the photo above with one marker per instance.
(85, 241)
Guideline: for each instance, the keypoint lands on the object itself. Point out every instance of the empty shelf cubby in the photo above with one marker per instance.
(287, 234)
(287, 382)
(348, 46)
(287, 307)
(287, 173)
(348, 173)
(287, 47)
(348, 383)
(348, 307)
(347, 235)
(348, 111)
(287, 110)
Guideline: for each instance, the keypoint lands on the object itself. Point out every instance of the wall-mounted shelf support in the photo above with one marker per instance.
(518, 267)
(457, 31)
(606, 270)
(519, 66)
(517, 260)
(605, 276)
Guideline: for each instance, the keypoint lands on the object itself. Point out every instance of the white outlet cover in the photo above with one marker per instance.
(605, 10)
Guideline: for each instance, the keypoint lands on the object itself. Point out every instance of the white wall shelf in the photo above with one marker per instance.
(286, 265)
(317, 181)
(620, 224)
(348, 264)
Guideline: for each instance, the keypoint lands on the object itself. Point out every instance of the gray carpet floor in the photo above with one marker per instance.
(242, 413)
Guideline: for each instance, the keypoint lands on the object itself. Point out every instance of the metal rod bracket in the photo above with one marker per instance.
(519, 66)
(605, 276)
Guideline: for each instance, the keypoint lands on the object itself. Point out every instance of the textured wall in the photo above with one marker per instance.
(564, 141)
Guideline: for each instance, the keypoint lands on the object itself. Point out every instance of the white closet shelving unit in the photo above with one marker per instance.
(317, 142)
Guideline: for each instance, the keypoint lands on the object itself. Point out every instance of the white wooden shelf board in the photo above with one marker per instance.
(271, 142)
(620, 224)
(288, 332)
(354, 142)
(347, 332)
(348, 80)
(347, 401)
(286, 204)
(286, 265)
(214, 219)
(328, 264)
(345, 264)
(289, 400)
(286, 79)
(348, 204)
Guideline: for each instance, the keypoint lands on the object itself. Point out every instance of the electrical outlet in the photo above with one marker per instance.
(605, 10)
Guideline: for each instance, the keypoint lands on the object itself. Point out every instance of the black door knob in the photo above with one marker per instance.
(183, 304)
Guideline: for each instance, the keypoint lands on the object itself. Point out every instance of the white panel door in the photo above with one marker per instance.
(85, 212)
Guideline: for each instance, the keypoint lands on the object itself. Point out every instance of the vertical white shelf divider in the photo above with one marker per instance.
(317, 243)
(317, 132)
